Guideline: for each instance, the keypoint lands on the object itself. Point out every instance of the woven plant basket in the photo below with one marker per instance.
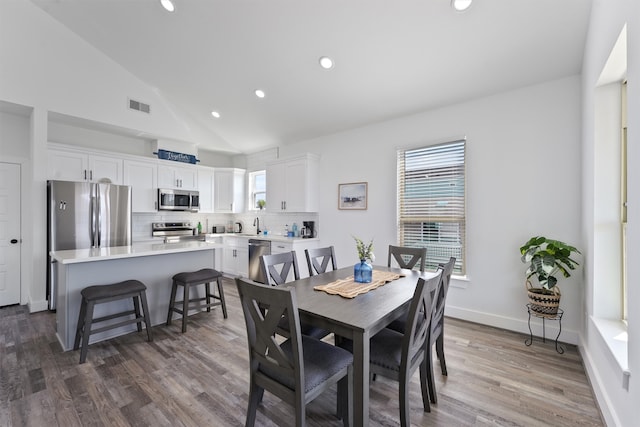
(542, 303)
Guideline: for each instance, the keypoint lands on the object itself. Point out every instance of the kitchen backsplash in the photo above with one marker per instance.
(275, 223)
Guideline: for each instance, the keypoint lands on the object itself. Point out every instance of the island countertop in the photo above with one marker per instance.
(74, 256)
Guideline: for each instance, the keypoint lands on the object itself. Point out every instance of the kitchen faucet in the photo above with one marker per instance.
(256, 223)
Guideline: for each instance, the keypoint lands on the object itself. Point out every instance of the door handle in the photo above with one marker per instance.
(14, 241)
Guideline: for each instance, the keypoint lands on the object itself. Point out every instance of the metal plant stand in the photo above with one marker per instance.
(557, 317)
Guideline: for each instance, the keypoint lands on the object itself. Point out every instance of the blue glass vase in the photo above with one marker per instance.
(362, 272)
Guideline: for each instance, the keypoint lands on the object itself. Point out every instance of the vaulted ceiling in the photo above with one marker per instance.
(392, 58)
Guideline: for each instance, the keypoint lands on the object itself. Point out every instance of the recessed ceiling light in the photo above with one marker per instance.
(215, 114)
(326, 62)
(168, 5)
(461, 5)
(259, 93)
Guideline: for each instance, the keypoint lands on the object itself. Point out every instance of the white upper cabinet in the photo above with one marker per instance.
(205, 188)
(72, 165)
(171, 175)
(292, 184)
(142, 176)
(229, 190)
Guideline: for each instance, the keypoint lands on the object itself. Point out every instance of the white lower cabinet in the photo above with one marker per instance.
(298, 246)
(235, 258)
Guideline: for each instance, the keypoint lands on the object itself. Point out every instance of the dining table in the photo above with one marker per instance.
(358, 318)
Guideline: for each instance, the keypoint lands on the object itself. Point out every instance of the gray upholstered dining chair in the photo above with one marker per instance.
(398, 355)
(276, 269)
(318, 260)
(437, 326)
(406, 257)
(296, 370)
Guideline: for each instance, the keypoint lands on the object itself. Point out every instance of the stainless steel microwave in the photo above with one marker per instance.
(170, 199)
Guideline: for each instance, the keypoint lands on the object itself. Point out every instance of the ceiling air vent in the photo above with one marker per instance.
(139, 106)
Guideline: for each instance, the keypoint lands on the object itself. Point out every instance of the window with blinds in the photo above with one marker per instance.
(431, 202)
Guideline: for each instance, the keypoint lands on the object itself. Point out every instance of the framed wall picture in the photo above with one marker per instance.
(352, 195)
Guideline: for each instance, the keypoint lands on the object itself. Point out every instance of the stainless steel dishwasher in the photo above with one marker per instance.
(257, 248)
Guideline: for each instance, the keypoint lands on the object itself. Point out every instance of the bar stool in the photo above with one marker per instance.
(100, 294)
(186, 280)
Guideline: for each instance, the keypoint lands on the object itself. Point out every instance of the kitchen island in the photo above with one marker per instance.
(154, 264)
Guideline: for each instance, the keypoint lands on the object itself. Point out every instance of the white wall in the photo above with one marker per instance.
(52, 68)
(608, 18)
(523, 179)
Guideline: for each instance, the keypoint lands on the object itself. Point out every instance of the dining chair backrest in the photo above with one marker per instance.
(407, 257)
(263, 306)
(419, 319)
(440, 301)
(277, 268)
(318, 260)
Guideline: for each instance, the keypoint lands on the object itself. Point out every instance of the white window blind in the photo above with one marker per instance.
(431, 202)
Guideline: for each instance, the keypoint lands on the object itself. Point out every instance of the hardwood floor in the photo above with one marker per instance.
(200, 378)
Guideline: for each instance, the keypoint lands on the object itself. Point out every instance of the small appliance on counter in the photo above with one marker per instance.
(308, 229)
(237, 227)
(217, 229)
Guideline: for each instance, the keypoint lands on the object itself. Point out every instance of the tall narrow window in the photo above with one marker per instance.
(258, 189)
(431, 202)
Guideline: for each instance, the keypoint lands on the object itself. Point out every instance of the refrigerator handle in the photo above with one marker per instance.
(99, 216)
(93, 221)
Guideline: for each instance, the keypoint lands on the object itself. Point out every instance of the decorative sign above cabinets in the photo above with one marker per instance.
(176, 157)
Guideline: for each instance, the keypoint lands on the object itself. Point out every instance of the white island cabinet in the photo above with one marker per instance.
(151, 263)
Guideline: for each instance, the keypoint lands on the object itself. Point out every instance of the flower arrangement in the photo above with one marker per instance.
(365, 252)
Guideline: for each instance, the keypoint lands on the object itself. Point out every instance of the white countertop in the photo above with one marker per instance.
(273, 237)
(73, 256)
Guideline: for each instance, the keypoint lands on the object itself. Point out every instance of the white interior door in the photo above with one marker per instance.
(9, 234)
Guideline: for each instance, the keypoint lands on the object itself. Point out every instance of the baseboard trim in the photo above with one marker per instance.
(513, 324)
(35, 306)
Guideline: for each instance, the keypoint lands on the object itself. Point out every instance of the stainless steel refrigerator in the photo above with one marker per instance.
(82, 215)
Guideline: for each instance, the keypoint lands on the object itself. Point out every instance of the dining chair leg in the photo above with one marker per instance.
(440, 353)
(345, 399)
(255, 396)
(424, 379)
(403, 390)
(430, 378)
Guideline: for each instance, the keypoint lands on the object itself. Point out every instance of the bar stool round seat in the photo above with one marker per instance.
(192, 278)
(100, 294)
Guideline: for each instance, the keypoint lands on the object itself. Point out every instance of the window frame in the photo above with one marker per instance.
(253, 192)
(437, 222)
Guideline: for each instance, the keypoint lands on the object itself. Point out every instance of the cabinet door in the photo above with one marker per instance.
(187, 177)
(142, 177)
(242, 261)
(223, 191)
(67, 166)
(276, 187)
(205, 188)
(105, 168)
(172, 176)
(295, 186)
(229, 261)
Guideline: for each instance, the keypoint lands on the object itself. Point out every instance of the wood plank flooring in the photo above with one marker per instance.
(200, 378)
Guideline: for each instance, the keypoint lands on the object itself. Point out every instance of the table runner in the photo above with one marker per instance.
(347, 288)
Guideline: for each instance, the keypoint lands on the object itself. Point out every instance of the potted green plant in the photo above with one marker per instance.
(546, 259)
(261, 203)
